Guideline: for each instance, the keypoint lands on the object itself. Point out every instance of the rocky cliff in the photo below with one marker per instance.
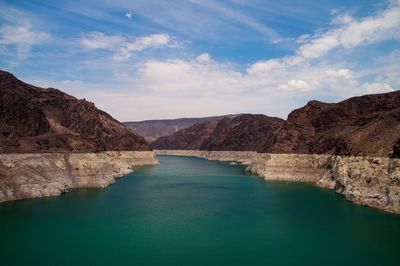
(51, 174)
(361, 126)
(370, 181)
(34, 119)
(51, 142)
(242, 133)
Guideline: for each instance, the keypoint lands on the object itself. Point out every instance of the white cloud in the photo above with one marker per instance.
(351, 32)
(123, 47)
(340, 73)
(200, 78)
(97, 40)
(194, 78)
(296, 85)
(21, 37)
(141, 43)
(266, 66)
(375, 87)
(203, 58)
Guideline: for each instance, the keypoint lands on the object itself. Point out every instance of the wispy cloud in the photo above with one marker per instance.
(142, 43)
(124, 48)
(344, 33)
(351, 32)
(23, 38)
(97, 40)
(18, 35)
(240, 18)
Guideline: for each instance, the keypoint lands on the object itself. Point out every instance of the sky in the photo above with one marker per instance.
(153, 59)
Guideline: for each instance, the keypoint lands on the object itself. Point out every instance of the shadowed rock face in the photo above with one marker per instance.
(396, 150)
(242, 133)
(362, 126)
(33, 119)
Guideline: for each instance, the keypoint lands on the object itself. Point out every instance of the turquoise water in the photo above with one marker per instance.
(189, 211)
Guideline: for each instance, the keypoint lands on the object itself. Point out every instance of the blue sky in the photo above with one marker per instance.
(165, 59)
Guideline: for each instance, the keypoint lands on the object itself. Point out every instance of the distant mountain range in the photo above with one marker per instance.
(244, 132)
(362, 126)
(154, 129)
(34, 119)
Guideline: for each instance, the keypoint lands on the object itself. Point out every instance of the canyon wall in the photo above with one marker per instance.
(38, 120)
(370, 181)
(367, 125)
(245, 132)
(51, 174)
(154, 129)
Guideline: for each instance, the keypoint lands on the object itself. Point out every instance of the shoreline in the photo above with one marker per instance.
(32, 175)
(369, 181)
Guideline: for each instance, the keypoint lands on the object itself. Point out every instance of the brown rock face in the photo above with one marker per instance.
(242, 133)
(33, 119)
(190, 138)
(154, 129)
(361, 126)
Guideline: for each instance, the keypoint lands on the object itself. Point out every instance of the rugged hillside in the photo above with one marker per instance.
(190, 138)
(242, 133)
(362, 126)
(33, 119)
(153, 129)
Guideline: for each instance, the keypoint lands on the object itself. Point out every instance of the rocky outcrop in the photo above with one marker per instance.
(42, 175)
(370, 181)
(36, 120)
(154, 129)
(360, 126)
(242, 133)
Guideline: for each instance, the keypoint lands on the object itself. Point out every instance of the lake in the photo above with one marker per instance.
(190, 211)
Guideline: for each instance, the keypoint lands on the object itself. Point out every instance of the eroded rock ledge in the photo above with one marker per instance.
(370, 181)
(51, 174)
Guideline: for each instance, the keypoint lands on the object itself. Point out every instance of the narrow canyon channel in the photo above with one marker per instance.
(190, 211)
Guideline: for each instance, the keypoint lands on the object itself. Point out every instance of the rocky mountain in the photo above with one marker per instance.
(362, 126)
(242, 133)
(153, 129)
(34, 119)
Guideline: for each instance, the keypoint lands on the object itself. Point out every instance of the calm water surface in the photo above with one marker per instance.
(189, 211)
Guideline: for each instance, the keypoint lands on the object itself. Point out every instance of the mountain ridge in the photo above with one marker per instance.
(34, 119)
(241, 133)
(153, 129)
(367, 125)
